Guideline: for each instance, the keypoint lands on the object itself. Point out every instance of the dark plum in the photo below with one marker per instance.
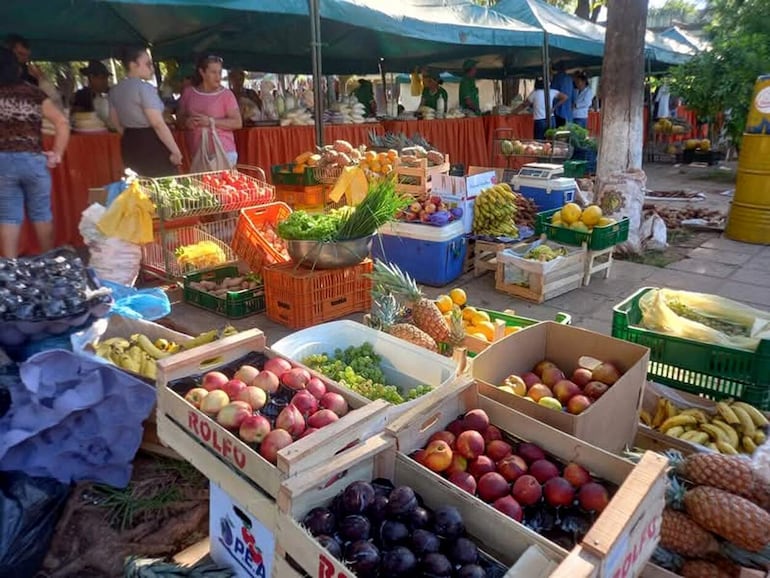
(363, 558)
(357, 497)
(332, 545)
(378, 509)
(424, 542)
(354, 528)
(401, 501)
(382, 486)
(448, 523)
(419, 518)
(436, 566)
(471, 571)
(462, 551)
(393, 533)
(319, 521)
(398, 562)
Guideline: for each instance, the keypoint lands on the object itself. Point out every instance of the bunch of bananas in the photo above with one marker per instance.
(138, 354)
(494, 212)
(736, 427)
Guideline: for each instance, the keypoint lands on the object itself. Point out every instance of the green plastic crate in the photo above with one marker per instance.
(236, 305)
(575, 169)
(284, 175)
(713, 371)
(598, 239)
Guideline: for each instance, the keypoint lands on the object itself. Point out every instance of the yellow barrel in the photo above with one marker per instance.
(749, 218)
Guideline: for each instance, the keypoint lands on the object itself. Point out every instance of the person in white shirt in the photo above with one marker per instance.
(584, 96)
(662, 97)
(536, 100)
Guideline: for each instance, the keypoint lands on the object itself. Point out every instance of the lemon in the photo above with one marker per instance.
(556, 216)
(591, 216)
(605, 222)
(479, 316)
(444, 303)
(570, 213)
(458, 296)
(468, 313)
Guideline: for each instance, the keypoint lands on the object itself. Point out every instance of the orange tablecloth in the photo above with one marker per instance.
(463, 139)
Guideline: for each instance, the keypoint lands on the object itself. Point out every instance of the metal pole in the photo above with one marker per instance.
(315, 45)
(384, 85)
(547, 80)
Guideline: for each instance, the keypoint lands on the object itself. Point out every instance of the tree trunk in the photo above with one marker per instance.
(623, 88)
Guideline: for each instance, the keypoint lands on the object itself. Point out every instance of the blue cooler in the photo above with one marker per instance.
(432, 255)
(547, 194)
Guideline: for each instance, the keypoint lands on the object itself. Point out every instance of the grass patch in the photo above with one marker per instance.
(652, 258)
(679, 236)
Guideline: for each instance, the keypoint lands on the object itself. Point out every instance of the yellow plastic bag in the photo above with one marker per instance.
(352, 185)
(129, 218)
(705, 318)
(416, 83)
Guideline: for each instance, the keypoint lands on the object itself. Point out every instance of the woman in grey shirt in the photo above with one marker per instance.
(147, 145)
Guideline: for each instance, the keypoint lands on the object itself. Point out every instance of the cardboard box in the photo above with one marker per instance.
(468, 187)
(612, 421)
(478, 170)
(238, 539)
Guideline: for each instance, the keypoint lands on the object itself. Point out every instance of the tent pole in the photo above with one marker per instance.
(547, 80)
(384, 84)
(315, 44)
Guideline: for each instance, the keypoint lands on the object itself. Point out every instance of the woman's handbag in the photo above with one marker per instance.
(211, 155)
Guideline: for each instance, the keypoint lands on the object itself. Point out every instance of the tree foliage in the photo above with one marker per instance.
(722, 78)
(586, 9)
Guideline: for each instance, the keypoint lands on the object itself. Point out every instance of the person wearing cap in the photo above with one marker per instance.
(469, 92)
(365, 94)
(98, 84)
(433, 91)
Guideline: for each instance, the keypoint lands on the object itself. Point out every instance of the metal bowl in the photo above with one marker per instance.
(329, 255)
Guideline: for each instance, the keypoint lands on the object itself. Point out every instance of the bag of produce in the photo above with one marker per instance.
(622, 195)
(211, 155)
(705, 318)
(111, 259)
(129, 218)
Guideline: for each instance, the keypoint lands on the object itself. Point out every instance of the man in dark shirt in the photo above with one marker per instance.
(98, 83)
(20, 47)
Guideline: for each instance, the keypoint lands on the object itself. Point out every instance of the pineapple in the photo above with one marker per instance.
(426, 316)
(706, 569)
(456, 327)
(680, 534)
(725, 472)
(386, 311)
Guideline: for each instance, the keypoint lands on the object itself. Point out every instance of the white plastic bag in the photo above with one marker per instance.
(111, 259)
(622, 195)
(211, 155)
(654, 233)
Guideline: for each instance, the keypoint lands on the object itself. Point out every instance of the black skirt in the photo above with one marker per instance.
(145, 154)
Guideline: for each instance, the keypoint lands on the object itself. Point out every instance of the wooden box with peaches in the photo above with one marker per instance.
(258, 413)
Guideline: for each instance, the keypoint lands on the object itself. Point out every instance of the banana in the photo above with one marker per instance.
(119, 342)
(148, 346)
(696, 437)
(747, 425)
(103, 350)
(162, 344)
(697, 413)
(759, 437)
(671, 410)
(202, 339)
(757, 416)
(727, 413)
(732, 435)
(716, 433)
(675, 431)
(748, 444)
(136, 354)
(712, 446)
(726, 448)
(660, 413)
(127, 363)
(646, 418)
(173, 348)
(149, 368)
(679, 420)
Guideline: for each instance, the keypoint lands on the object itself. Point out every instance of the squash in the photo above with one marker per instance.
(302, 158)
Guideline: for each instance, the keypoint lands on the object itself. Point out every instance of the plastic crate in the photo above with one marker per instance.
(575, 169)
(299, 298)
(285, 175)
(302, 197)
(249, 243)
(236, 305)
(704, 369)
(598, 239)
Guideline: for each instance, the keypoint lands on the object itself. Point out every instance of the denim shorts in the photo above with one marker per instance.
(25, 182)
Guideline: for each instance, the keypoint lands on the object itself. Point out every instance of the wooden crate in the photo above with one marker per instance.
(470, 253)
(542, 281)
(485, 256)
(628, 527)
(199, 439)
(597, 262)
(423, 173)
(499, 536)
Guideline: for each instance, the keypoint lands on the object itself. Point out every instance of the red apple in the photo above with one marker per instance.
(581, 376)
(476, 420)
(195, 396)
(510, 507)
(246, 373)
(459, 464)
(565, 390)
(492, 486)
(593, 497)
(558, 492)
(576, 474)
(438, 456)
(274, 442)
(606, 373)
(277, 366)
(443, 435)
(551, 376)
(470, 444)
(480, 466)
(296, 378)
(543, 470)
(498, 449)
(316, 387)
(254, 396)
(291, 420)
(266, 380)
(527, 490)
(322, 418)
(492, 433)
(305, 403)
(464, 481)
(595, 389)
(530, 452)
(530, 379)
(334, 402)
(214, 380)
(512, 467)
(578, 404)
(254, 429)
(214, 402)
(456, 427)
(232, 415)
(542, 366)
(233, 388)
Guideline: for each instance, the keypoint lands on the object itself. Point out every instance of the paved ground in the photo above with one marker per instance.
(706, 262)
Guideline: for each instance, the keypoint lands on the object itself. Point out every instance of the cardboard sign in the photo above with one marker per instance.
(466, 187)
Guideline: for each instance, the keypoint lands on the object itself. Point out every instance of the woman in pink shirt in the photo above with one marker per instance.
(207, 99)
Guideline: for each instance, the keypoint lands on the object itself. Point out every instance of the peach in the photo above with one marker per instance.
(530, 452)
(565, 390)
(277, 366)
(246, 373)
(543, 470)
(593, 497)
(267, 381)
(492, 433)
(476, 420)
(464, 481)
(443, 435)
(551, 376)
(470, 444)
(480, 466)
(322, 418)
(576, 474)
(316, 387)
(254, 429)
(606, 373)
(581, 376)
(274, 442)
(542, 366)
(595, 389)
(459, 464)
(498, 449)
(214, 402)
(305, 403)
(527, 490)
(438, 456)
(291, 420)
(512, 467)
(510, 507)
(296, 378)
(492, 486)
(539, 390)
(334, 402)
(232, 415)
(578, 404)
(254, 396)
(195, 396)
(214, 380)
(558, 492)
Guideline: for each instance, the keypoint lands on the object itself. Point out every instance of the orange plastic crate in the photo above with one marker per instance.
(299, 298)
(249, 244)
(302, 198)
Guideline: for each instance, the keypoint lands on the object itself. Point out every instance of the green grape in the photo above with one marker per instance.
(418, 391)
